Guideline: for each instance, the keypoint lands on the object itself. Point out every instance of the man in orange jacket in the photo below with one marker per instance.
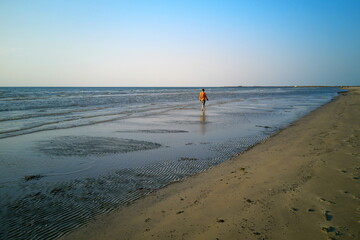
(203, 98)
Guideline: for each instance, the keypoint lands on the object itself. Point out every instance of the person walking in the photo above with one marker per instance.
(203, 98)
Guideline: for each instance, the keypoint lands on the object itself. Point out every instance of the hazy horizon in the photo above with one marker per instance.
(158, 43)
(200, 87)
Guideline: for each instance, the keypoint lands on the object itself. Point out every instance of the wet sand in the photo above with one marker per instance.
(302, 183)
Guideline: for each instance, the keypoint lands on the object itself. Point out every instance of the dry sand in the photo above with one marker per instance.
(302, 183)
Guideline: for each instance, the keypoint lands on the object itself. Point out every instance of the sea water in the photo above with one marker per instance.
(69, 154)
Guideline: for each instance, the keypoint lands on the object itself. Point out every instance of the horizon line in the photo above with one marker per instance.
(230, 86)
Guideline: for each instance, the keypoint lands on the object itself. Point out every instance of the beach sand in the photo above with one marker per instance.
(302, 183)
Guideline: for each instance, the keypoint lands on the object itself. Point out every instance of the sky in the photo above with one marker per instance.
(178, 43)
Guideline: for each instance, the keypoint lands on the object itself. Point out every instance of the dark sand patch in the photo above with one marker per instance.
(33, 177)
(87, 145)
(262, 126)
(187, 159)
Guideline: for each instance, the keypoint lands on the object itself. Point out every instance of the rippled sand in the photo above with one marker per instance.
(302, 183)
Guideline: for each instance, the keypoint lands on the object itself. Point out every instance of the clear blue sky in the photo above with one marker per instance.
(179, 43)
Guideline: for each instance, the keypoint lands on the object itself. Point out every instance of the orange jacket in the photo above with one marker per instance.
(203, 96)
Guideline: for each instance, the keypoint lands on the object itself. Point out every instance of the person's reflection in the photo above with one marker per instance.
(203, 123)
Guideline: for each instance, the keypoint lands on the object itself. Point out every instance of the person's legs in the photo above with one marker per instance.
(203, 105)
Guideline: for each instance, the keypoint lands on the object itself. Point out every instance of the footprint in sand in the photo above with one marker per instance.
(248, 200)
(331, 230)
(294, 209)
(327, 215)
(327, 201)
(328, 229)
(243, 170)
(351, 195)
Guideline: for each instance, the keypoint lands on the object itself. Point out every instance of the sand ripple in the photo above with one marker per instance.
(51, 210)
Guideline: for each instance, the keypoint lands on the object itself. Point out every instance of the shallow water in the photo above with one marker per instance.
(69, 154)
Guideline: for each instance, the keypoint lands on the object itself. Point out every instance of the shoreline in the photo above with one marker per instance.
(301, 183)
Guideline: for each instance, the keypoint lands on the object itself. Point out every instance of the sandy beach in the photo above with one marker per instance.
(302, 183)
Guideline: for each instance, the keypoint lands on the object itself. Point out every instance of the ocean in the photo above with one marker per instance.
(69, 154)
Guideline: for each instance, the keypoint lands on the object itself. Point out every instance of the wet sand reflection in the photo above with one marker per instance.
(203, 123)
